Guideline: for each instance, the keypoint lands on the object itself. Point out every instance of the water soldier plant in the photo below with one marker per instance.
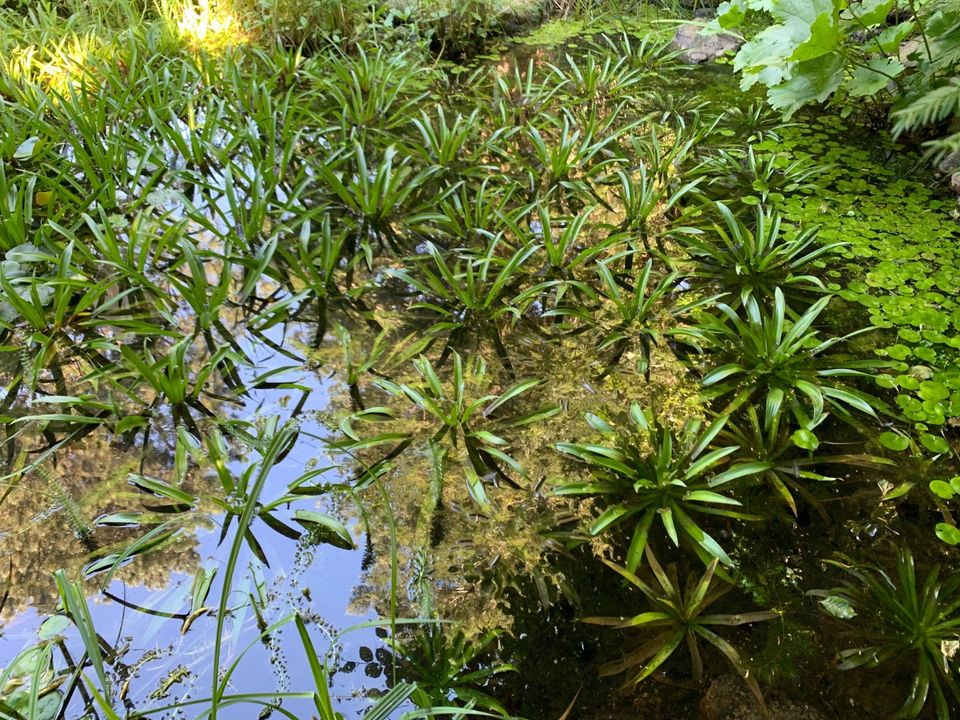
(901, 615)
(651, 473)
(679, 617)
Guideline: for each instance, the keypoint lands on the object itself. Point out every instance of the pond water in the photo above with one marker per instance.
(448, 520)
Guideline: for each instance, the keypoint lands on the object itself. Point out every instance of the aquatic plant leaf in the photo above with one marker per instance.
(53, 626)
(892, 492)
(948, 533)
(75, 604)
(804, 438)
(477, 491)
(942, 489)
(200, 588)
(741, 470)
(120, 519)
(161, 489)
(156, 539)
(838, 606)
(611, 516)
(390, 701)
(893, 441)
(27, 148)
(721, 373)
(934, 443)
(130, 422)
(326, 528)
(711, 497)
(321, 693)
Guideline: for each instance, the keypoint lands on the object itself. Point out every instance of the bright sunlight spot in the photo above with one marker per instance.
(210, 28)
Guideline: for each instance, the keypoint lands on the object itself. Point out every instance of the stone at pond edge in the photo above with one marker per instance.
(729, 698)
(697, 48)
(950, 164)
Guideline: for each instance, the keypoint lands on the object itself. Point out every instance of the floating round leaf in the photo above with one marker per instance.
(804, 438)
(934, 443)
(942, 489)
(948, 533)
(893, 441)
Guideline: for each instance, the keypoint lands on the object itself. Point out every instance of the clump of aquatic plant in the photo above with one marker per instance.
(381, 356)
(471, 296)
(753, 123)
(902, 618)
(171, 507)
(378, 197)
(752, 178)
(566, 244)
(315, 261)
(678, 614)
(521, 95)
(787, 461)
(647, 472)
(50, 301)
(569, 155)
(641, 316)
(592, 82)
(372, 93)
(644, 196)
(785, 363)
(754, 260)
(171, 382)
(451, 143)
(470, 216)
(652, 54)
(472, 424)
(449, 667)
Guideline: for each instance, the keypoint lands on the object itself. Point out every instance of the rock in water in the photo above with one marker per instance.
(699, 48)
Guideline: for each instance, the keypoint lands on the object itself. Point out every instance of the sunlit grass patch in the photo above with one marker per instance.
(204, 25)
(55, 65)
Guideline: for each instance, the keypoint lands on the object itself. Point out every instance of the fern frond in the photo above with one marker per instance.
(929, 108)
(938, 149)
(942, 21)
(947, 7)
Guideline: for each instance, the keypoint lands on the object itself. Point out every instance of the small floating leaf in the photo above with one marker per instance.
(327, 529)
(893, 441)
(934, 443)
(53, 626)
(804, 438)
(948, 533)
(941, 489)
(838, 606)
(26, 149)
